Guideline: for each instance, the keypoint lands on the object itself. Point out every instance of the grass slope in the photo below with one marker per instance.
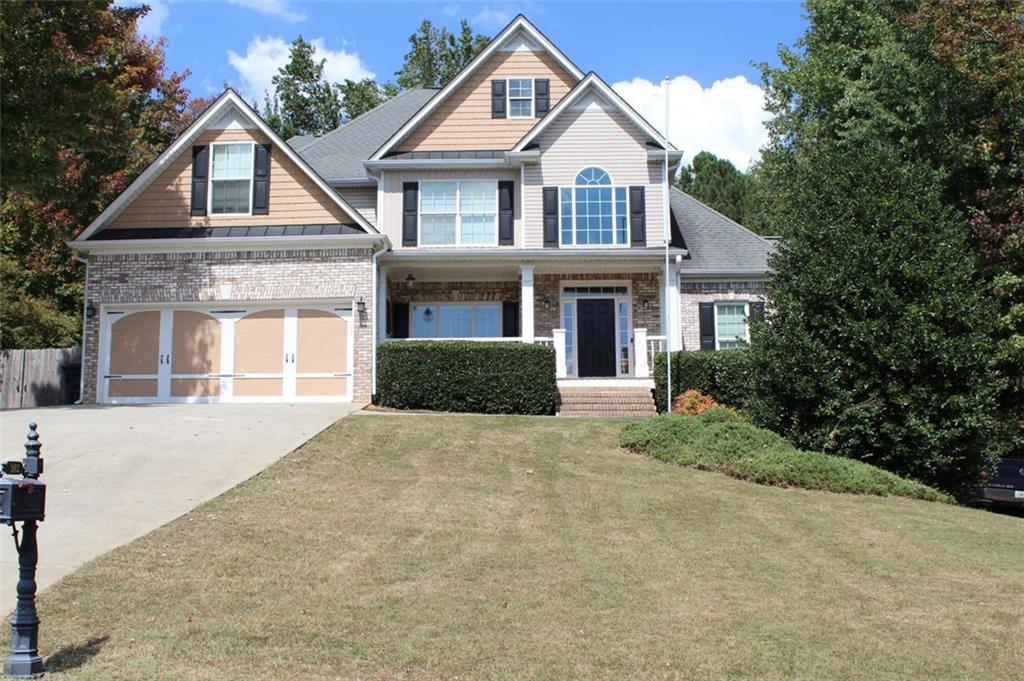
(483, 547)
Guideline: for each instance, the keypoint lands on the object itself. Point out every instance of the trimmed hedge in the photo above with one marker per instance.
(723, 440)
(724, 375)
(467, 376)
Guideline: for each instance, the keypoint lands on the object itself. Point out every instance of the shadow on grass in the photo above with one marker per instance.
(70, 657)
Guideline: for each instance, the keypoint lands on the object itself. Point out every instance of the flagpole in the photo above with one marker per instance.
(667, 230)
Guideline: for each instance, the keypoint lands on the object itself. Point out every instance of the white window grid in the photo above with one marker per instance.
(473, 306)
(469, 212)
(519, 91)
(741, 342)
(242, 174)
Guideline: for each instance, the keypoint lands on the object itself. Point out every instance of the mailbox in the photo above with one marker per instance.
(23, 499)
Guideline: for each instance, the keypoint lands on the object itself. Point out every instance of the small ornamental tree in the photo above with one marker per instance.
(879, 346)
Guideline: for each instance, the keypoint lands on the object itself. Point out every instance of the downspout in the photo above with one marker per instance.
(376, 322)
(85, 324)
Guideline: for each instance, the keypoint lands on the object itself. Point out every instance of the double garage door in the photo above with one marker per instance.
(227, 354)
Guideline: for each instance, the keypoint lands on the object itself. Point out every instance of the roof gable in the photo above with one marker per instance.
(519, 34)
(228, 112)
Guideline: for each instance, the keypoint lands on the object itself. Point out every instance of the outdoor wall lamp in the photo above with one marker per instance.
(90, 310)
(361, 306)
(547, 304)
(646, 303)
(410, 281)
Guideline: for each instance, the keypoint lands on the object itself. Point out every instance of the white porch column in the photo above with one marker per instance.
(382, 305)
(674, 330)
(526, 306)
(560, 370)
(640, 367)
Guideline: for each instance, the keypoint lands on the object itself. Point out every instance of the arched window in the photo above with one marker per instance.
(594, 212)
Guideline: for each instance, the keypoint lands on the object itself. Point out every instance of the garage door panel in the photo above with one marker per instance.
(195, 387)
(321, 387)
(259, 343)
(195, 345)
(321, 343)
(132, 388)
(259, 387)
(134, 345)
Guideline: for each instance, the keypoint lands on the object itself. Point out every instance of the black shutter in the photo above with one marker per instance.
(541, 97)
(200, 178)
(506, 213)
(261, 180)
(399, 320)
(497, 99)
(707, 326)
(510, 319)
(550, 217)
(757, 312)
(410, 198)
(637, 217)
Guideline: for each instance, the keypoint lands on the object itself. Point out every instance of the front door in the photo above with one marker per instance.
(596, 327)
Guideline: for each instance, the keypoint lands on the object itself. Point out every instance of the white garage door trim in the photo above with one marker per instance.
(228, 314)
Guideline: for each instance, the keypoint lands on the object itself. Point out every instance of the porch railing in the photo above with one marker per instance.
(655, 344)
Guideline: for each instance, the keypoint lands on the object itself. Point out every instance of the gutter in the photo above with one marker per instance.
(689, 274)
(376, 323)
(263, 243)
(518, 254)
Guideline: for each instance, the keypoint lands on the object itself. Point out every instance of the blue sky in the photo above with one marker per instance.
(706, 48)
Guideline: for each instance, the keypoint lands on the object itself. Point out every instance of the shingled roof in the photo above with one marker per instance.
(714, 242)
(338, 156)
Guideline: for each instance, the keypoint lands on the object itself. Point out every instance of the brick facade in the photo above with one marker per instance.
(234, 276)
(692, 293)
(646, 286)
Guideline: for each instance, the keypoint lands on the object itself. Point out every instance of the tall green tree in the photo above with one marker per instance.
(305, 103)
(906, 78)
(718, 183)
(358, 97)
(436, 55)
(86, 105)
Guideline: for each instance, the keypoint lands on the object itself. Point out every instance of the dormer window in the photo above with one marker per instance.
(231, 169)
(520, 97)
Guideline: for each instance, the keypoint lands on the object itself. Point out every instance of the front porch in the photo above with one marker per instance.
(604, 323)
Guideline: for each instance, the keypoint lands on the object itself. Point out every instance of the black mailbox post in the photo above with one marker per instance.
(24, 500)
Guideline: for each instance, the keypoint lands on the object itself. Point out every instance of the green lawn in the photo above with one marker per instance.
(471, 547)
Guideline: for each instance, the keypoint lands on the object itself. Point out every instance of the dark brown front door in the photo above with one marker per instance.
(596, 327)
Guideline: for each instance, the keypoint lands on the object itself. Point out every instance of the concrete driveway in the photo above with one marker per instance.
(115, 473)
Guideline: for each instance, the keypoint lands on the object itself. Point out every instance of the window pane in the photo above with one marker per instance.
(479, 197)
(478, 229)
(456, 321)
(731, 325)
(520, 108)
(593, 176)
(424, 321)
(594, 216)
(624, 332)
(566, 213)
(437, 230)
(230, 196)
(621, 216)
(488, 321)
(437, 197)
(520, 87)
(232, 161)
(570, 355)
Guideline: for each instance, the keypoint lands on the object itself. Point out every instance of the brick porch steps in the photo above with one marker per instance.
(627, 402)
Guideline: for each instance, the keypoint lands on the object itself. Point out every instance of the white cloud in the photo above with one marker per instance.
(726, 119)
(151, 25)
(452, 10)
(264, 56)
(279, 9)
(491, 19)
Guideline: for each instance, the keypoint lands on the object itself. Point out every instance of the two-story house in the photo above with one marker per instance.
(525, 201)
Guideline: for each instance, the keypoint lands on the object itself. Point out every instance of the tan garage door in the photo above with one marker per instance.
(209, 355)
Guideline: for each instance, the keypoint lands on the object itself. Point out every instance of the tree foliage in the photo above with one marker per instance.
(361, 96)
(718, 183)
(436, 55)
(305, 103)
(932, 91)
(86, 106)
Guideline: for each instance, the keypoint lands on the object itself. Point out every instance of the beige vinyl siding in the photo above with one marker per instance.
(463, 121)
(593, 136)
(294, 197)
(391, 185)
(363, 199)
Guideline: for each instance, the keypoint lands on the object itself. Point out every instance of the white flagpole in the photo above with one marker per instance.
(667, 331)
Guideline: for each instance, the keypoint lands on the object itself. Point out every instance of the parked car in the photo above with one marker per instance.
(1005, 488)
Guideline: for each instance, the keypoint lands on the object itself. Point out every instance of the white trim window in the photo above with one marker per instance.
(459, 213)
(594, 212)
(455, 320)
(231, 171)
(731, 328)
(520, 97)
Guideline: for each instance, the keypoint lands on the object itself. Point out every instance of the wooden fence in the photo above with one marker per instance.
(39, 378)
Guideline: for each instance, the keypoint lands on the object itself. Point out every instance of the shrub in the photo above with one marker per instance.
(724, 375)
(692, 402)
(467, 376)
(723, 440)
